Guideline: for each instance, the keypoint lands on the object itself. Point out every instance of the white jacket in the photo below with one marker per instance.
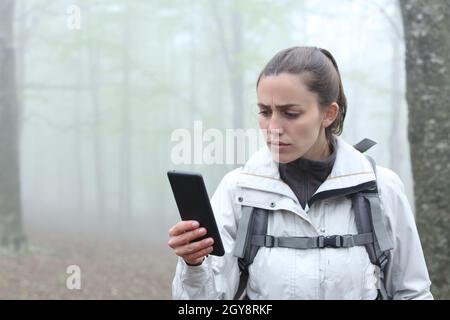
(329, 273)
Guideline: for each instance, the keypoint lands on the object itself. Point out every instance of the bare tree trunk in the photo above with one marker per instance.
(237, 76)
(427, 35)
(93, 63)
(77, 137)
(125, 144)
(232, 57)
(78, 147)
(11, 232)
(22, 41)
(192, 74)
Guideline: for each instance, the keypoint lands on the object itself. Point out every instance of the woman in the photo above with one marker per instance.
(302, 110)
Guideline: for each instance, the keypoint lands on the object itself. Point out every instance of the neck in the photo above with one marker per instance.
(320, 150)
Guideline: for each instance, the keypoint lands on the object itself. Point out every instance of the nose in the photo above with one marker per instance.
(275, 127)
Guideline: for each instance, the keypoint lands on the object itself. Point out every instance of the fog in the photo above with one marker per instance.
(103, 86)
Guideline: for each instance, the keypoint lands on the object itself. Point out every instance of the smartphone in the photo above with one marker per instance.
(193, 204)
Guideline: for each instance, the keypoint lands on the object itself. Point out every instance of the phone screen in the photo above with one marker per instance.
(193, 204)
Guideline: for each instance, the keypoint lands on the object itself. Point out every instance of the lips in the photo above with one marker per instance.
(279, 143)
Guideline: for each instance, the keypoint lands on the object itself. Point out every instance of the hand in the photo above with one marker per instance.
(181, 236)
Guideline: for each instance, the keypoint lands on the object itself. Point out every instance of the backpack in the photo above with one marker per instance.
(372, 232)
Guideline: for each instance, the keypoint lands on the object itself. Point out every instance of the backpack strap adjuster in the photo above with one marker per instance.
(269, 241)
(383, 260)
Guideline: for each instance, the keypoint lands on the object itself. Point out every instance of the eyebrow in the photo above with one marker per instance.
(280, 106)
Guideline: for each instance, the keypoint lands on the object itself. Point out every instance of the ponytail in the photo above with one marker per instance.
(338, 125)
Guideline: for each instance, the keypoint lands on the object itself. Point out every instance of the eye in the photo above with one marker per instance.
(264, 113)
(291, 115)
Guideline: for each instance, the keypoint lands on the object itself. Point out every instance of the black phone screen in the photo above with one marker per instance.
(193, 204)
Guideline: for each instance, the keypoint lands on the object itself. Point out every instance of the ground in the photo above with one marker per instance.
(110, 269)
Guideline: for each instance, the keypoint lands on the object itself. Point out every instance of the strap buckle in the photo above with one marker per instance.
(329, 241)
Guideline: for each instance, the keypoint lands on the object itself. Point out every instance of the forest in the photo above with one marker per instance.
(95, 97)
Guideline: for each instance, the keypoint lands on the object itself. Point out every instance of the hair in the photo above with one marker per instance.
(320, 74)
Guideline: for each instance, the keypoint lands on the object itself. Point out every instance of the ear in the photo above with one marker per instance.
(330, 114)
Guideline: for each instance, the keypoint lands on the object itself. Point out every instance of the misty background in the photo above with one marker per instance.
(102, 85)
(100, 103)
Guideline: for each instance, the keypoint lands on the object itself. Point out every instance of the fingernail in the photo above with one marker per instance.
(195, 224)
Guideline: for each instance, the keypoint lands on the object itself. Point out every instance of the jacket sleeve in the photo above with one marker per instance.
(406, 274)
(217, 277)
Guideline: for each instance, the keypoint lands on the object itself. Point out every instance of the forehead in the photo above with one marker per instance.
(284, 88)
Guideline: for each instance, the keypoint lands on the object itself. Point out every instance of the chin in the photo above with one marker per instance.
(284, 158)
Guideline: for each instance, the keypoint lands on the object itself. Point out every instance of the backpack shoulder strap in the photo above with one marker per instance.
(241, 235)
(253, 222)
(369, 218)
(381, 234)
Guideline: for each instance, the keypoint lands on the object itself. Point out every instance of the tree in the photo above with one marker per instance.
(11, 233)
(427, 37)
(125, 200)
(232, 56)
(94, 88)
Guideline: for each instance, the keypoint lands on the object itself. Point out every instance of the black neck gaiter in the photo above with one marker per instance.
(305, 176)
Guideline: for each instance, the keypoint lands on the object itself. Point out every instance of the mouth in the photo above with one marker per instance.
(281, 144)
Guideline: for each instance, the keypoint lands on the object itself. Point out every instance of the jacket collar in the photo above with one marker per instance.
(351, 170)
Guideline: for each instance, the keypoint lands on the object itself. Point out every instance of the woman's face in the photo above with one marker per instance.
(291, 119)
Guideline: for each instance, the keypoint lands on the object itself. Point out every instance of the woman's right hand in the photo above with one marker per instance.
(181, 236)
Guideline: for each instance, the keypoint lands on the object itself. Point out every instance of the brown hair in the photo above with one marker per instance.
(320, 74)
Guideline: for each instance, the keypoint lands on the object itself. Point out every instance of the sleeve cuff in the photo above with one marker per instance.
(195, 274)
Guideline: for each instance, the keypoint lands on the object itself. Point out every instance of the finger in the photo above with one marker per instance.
(182, 227)
(186, 237)
(199, 254)
(193, 247)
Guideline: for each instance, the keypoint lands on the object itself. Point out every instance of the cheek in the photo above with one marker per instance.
(263, 123)
(306, 127)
